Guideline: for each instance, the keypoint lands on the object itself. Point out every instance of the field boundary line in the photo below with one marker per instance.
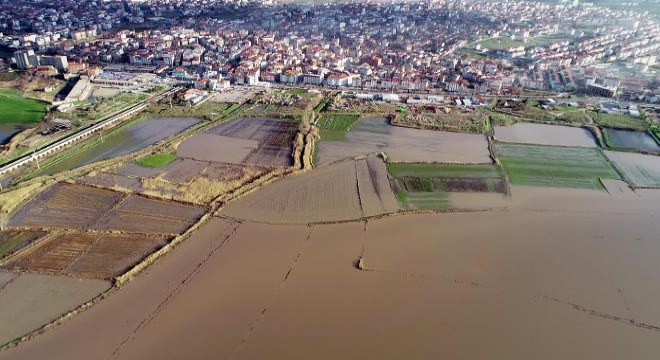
(58, 321)
(32, 247)
(108, 212)
(261, 314)
(373, 217)
(228, 235)
(17, 275)
(92, 244)
(357, 184)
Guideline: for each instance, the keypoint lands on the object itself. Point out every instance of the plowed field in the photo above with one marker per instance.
(100, 256)
(275, 138)
(328, 193)
(375, 193)
(144, 215)
(82, 207)
(66, 206)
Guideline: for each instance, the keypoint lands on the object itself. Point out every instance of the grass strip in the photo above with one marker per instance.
(157, 160)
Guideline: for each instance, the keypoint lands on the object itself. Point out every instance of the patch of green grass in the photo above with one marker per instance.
(298, 91)
(337, 122)
(501, 43)
(471, 53)
(157, 160)
(570, 114)
(506, 43)
(333, 135)
(230, 109)
(498, 118)
(11, 241)
(620, 121)
(443, 170)
(655, 133)
(322, 104)
(555, 166)
(424, 201)
(17, 110)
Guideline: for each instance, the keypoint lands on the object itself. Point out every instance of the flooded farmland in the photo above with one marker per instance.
(256, 141)
(543, 134)
(347, 190)
(632, 140)
(376, 135)
(585, 277)
(130, 139)
(488, 257)
(640, 169)
(67, 206)
(31, 300)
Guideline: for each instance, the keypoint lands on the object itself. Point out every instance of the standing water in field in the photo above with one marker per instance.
(125, 141)
(632, 140)
(8, 132)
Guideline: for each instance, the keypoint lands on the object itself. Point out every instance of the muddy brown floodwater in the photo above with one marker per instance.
(558, 274)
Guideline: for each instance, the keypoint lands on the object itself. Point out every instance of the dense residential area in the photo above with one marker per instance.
(466, 47)
(329, 179)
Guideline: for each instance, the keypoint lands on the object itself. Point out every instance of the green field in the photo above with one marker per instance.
(505, 42)
(424, 201)
(443, 170)
(620, 121)
(655, 133)
(322, 104)
(17, 110)
(428, 186)
(11, 241)
(555, 166)
(157, 160)
(337, 122)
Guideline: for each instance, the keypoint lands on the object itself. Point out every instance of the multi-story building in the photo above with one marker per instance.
(25, 59)
(59, 62)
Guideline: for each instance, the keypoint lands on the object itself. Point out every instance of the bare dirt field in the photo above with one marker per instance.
(210, 147)
(325, 194)
(101, 256)
(6, 277)
(224, 172)
(31, 301)
(234, 95)
(404, 144)
(144, 215)
(133, 169)
(543, 134)
(83, 207)
(66, 206)
(183, 172)
(376, 196)
(275, 139)
(582, 283)
(618, 188)
(110, 180)
(641, 170)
